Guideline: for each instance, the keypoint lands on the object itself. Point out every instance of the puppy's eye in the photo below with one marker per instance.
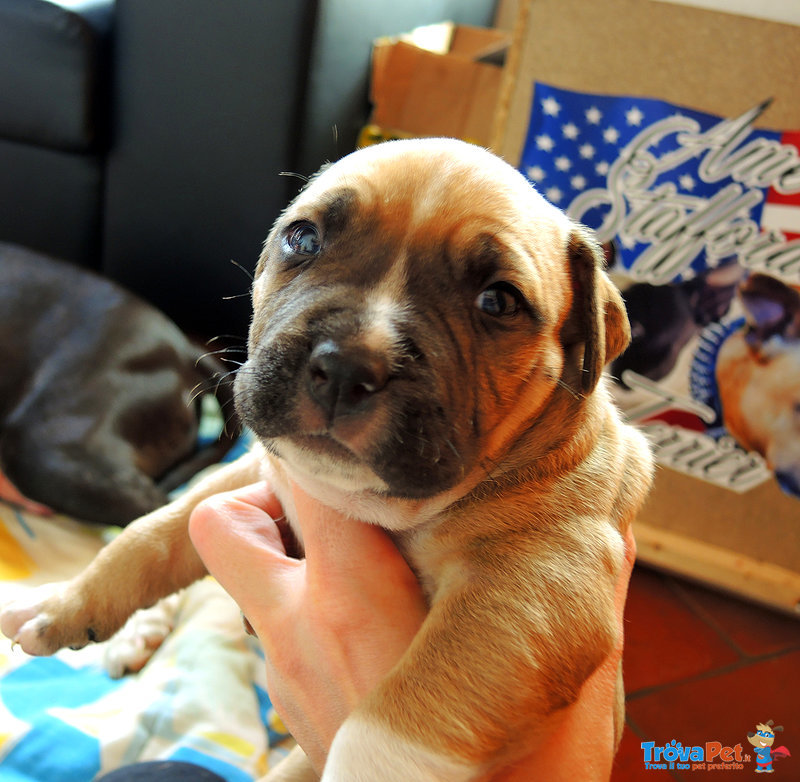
(500, 300)
(303, 239)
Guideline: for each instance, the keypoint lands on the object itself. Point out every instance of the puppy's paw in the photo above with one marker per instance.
(47, 619)
(130, 649)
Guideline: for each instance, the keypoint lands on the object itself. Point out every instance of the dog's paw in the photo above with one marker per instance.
(45, 620)
(130, 649)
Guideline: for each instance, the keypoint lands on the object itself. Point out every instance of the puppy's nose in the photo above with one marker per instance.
(343, 379)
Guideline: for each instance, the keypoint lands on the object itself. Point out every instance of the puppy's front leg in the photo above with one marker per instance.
(295, 767)
(483, 683)
(153, 557)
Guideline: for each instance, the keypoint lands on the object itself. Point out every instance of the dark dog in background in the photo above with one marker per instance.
(98, 393)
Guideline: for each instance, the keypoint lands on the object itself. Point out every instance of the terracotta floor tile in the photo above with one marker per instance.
(665, 640)
(755, 630)
(725, 707)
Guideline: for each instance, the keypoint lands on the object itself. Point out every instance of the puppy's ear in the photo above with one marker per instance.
(598, 318)
(772, 309)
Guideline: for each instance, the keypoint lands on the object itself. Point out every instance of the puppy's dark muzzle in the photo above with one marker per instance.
(343, 380)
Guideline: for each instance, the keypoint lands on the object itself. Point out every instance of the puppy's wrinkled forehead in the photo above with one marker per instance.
(437, 192)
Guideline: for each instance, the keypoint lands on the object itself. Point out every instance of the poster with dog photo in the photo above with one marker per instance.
(671, 130)
(699, 216)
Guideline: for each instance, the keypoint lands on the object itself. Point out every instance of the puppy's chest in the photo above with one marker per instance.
(438, 568)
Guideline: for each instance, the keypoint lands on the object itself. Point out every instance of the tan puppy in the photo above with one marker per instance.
(426, 354)
(758, 375)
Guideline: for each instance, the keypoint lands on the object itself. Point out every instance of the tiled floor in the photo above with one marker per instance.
(702, 667)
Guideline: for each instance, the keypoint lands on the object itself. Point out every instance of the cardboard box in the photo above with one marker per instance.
(441, 80)
(672, 131)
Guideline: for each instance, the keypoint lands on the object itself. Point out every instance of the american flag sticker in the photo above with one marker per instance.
(677, 190)
(700, 218)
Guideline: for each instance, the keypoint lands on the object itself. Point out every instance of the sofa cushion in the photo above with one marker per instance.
(50, 201)
(52, 71)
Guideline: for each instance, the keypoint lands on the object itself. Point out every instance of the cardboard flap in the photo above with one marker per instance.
(419, 92)
(479, 43)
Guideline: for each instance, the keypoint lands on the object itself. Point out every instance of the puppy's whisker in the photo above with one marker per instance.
(452, 448)
(211, 385)
(247, 272)
(230, 349)
(295, 175)
(229, 405)
(220, 352)
(574, 394)
(196, 393)
(202, 388)
(232, 416)
(489, 465)
(224, 378)
(233, 337)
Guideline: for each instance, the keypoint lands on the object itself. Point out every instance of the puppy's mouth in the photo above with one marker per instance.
(349, 422)
(325, 444)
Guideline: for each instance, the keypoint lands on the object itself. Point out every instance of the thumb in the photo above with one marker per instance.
(236, 536)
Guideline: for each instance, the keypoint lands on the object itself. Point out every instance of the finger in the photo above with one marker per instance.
(236, 537)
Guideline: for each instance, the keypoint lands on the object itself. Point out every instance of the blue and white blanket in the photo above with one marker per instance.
(201, 698)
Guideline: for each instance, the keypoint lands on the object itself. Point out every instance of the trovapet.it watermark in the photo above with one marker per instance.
(712, 755)
(759, 756)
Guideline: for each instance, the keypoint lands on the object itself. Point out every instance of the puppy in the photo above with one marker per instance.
(425, 354)
(758, 376)
(94, 393)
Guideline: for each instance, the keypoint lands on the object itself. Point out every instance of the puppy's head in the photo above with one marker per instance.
(415, 309)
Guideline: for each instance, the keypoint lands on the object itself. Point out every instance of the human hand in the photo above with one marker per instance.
(333, 624)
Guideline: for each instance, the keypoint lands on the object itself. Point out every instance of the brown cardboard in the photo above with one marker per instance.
(706, 60)
(417, 92)
(478, 43)
(749, 542)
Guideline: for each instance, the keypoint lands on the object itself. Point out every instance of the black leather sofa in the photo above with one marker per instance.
(146, 138)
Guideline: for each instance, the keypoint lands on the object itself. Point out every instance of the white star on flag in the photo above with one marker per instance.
(536, 173)
(634, 116)
(570, 131)
(578, 182)
(587, 151)
(686, 181)
(545, 143)
(593, 115)
(611, 135)
(563, 163)
(551, 107)
(553, 194)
